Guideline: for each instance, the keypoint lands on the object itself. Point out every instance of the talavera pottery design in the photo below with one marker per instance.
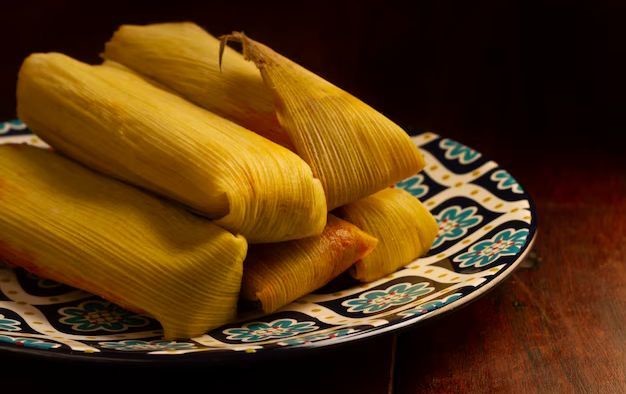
(486, 222)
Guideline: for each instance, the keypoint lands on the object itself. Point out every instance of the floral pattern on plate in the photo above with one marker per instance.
(454, 222)
(260, 331)
(486, 223)
(414, 185)
(7, 324)
(96, 315)
(457, 151)
(135, 345)
(506, 181)
(379, 300)
(430, 305)
(31, 343)
(7, 127)
(306, 339)
(507, 242)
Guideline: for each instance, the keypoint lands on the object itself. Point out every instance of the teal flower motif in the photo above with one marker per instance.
(378, 300)
(457, 151)
(134, 345)
(454, 222)
(430, 305)
(306, 339)
(15, 124)
(507, 242)
(260, 331)
(100, 315)
(7, 324)
(31, 343)
(506, 181)
(414, 185)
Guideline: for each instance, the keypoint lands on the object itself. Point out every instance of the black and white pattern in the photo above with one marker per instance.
(486, 225)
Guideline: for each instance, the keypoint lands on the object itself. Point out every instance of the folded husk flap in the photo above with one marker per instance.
(353, 149)
(68, 223)
(405, 230)
(119, 124)
(184, 57)
(277, 274)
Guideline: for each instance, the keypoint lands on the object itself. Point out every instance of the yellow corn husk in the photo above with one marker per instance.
(65, 222)
(119, 124)
(404, 227)
(279, 273)
(353, 149)
(184, 57)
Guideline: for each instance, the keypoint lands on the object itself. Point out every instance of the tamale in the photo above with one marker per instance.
(65, 222)
(405, 230)
(184, 57)
(353, 149)
(276, 274)
(120, 124)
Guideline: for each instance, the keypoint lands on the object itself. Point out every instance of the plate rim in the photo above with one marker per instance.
(208, 358)
(211, 358)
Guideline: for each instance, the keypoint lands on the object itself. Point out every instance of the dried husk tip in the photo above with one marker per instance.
(184, 57)
(353, 149)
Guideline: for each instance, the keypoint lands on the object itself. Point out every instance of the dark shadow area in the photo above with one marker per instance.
(526, 73)
(361, 367)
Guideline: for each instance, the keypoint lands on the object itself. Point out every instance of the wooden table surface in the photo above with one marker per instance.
(522, 84)
(556, 325)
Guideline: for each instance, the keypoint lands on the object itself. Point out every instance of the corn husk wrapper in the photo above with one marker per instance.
(68, 223)
(277, 274)
(119, 124)
(184, 57)
(404, 228)
(353, 149)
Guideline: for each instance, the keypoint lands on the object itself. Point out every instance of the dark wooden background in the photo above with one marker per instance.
(536, 85)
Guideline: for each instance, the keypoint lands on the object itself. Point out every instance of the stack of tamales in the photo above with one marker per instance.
(256, 148)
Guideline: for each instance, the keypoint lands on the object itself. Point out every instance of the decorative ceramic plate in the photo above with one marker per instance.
(486, 226)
